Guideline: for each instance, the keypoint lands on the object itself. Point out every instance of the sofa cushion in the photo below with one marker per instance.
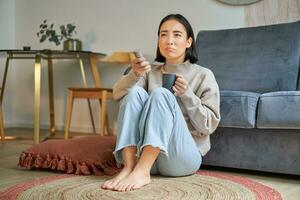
(279, 110)
(260, 59)
(238, 109)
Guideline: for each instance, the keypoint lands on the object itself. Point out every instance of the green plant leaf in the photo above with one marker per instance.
(69, 26)
(44, 21)
(56, 40)
(51, 26)
(43, 38)
(48, 32)
(63, 31)
(42, 31)
(38, 34)
(70, 29)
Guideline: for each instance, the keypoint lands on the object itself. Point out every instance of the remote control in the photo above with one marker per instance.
(138, 54)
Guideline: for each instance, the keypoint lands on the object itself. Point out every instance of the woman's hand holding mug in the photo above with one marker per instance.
(181, 85)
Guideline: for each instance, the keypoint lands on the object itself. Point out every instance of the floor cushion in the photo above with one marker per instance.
(238, 109)
(81, 156)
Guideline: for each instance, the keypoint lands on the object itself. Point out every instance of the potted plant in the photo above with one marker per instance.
(66, 35)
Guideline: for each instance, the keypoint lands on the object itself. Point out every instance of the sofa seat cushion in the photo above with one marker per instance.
(238, 109)
(279, 110)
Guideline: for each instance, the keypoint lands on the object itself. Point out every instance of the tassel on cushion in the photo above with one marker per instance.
(84, 169)
(22, 159)
(96, 171)
(28, 162)
(70, 167)
(110, 167)
(114, 164)
(38, 163)
(62, 164)
(46, 163)
(110, 171)
(78, 172)
(54, 162)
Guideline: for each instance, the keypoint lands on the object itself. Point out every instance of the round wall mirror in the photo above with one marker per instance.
(239, 2)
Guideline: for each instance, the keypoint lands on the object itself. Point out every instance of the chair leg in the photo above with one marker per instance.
(1, 125)
(69, 114)
(103, 112)
(107, 124)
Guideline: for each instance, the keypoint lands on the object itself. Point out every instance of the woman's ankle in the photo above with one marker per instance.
(141, 170)
(129, 168)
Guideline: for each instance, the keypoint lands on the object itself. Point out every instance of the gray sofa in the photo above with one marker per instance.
(257, 70)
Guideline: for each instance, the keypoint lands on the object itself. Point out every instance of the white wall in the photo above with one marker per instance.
(103, 26)
(7, 41)
(7, 22)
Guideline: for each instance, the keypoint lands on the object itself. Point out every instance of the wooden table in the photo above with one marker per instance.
(49, 55)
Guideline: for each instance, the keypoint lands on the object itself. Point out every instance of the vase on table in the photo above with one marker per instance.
(72, 45)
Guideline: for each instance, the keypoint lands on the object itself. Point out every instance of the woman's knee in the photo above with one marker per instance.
(161, 93)
(135, 93)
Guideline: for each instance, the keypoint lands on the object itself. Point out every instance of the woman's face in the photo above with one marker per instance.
(173, 41)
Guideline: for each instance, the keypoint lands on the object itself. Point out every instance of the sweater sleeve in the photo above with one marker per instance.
(203, 107)
(122, 86)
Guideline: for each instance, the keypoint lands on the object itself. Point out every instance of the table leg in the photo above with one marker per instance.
(1, 99)
(88, 100)
(4, 80)
(51, 97)
(37, 98)
(1, 125)
(94, 69)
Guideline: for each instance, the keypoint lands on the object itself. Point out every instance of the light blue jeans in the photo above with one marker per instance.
(157, 120)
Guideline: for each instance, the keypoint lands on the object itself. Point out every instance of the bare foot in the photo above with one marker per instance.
(136, 179)
(111, 183)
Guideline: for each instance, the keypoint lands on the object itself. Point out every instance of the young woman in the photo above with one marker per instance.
(160, 132)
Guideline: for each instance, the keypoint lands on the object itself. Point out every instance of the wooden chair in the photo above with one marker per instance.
(102, 94)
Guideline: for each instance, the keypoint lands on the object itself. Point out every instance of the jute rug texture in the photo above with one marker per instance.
(201, 186)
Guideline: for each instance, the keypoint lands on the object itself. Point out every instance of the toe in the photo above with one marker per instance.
(129, 187)
(112, 184)
(117, 187)
(123, 188)
(104, 185)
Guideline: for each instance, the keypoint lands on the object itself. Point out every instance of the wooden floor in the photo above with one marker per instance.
(10, 174)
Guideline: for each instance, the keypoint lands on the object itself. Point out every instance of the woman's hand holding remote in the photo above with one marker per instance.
(139, 65)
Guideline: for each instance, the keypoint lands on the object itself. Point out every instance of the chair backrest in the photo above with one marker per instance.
(257, 59)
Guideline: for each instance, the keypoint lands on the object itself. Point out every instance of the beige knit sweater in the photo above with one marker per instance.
(200, 104)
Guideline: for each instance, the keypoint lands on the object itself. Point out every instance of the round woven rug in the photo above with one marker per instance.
(203, 185)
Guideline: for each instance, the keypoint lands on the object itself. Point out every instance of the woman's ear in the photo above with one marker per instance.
(189, 42)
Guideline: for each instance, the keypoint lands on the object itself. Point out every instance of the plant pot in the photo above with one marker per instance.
(72, 45)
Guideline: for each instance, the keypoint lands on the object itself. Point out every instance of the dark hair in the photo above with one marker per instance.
(190, 53)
